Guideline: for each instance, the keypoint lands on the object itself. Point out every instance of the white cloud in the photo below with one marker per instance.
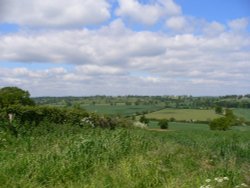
(177, 23)
(239, 24)
(213, 29)
(97, 70)
(56, 13)
(102, 61)
(147, 14)
(80, 46)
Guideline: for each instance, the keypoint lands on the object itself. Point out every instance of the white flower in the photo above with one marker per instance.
(225, 178)
(219, 180)
(244, 185)
(203, 186)
(208, 180)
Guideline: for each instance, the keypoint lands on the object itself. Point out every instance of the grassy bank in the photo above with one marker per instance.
(78, 157)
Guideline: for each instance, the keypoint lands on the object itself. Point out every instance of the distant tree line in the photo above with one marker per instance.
(230, 101)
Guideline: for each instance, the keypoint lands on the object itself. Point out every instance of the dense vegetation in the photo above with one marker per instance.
(70, 156)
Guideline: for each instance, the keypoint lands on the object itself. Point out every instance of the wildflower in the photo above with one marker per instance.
(244, 185)
(208, 180)
(203, 186)
(225, 178)
(219, 180)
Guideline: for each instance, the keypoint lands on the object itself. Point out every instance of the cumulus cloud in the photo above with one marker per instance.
(80, 46)
(166, 64)
(56, 13)
(213, 29)
(147, 14)
(239, 24)
(177, 23)
(193, 56)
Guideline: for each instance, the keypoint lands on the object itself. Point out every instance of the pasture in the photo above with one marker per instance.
(189, 156)
(184, 114)
(122, 109)
(242, 112)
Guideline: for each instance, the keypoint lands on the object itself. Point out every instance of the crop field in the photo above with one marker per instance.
(125, 110)
(242, 112)
(185, 157)
(184, 114)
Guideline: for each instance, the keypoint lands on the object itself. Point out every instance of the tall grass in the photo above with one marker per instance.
(85, 157)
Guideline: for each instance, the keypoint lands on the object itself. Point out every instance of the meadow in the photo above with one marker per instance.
(184, 114)
(186, 156)
(122, 109)
(242, 112)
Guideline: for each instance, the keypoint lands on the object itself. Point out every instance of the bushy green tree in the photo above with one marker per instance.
(14, 96)
(218, 110)
(224, 123)
(163, 124)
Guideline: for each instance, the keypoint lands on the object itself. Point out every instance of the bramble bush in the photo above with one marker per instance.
(27, 118)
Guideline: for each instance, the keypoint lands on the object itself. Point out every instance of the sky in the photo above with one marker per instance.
(125, 47)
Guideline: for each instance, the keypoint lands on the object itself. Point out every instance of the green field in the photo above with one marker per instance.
(61, 156)
(184, 114)
(124, 110)
(242, 112)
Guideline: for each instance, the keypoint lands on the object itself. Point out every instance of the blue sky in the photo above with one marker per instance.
(222, 10)
(122, 47)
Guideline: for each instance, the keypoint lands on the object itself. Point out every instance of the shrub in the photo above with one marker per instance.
(222, 123)
(163, 124)
(143, 119)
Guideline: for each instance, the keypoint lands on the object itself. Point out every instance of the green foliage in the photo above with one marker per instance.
(163, 124)
(224, 123)
(218, 110)
(14, 96)
(143, 119)
(27, 118)
(71, 156)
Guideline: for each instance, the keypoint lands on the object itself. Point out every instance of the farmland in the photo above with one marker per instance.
(242, 112)
(184, 114)
(124, 110)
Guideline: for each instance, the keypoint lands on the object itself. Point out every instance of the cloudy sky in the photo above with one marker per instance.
(122, 47)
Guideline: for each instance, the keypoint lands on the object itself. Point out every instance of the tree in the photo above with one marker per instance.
(14, 96)
(218, 110)
(163, 124)
(224, 123)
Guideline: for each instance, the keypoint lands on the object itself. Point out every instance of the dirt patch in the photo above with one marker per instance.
(159, 130)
